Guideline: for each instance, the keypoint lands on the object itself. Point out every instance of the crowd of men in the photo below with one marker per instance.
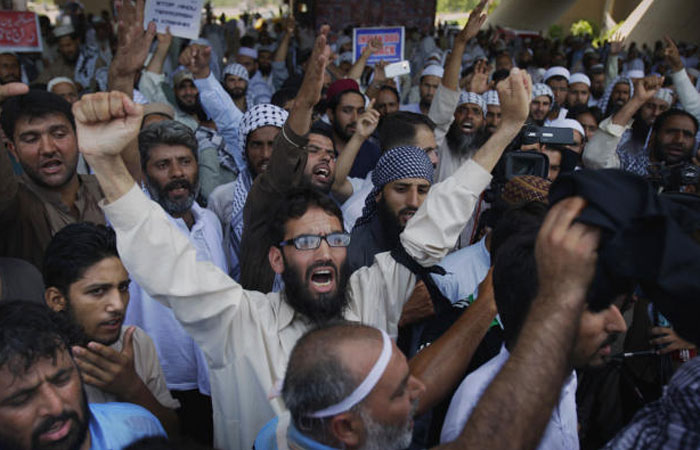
(250, 240)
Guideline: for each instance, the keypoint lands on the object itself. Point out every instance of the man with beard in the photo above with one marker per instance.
(50, 194)
(246, 335)
(541, 104)
(187, 99)
(579, 90)
(493, 111)
(672, 137)
(79, 63)
(459, 116)
(65, 87)
(345, 103)
(616, 94)
(10, 69)
(235, 82)
(621, 140)
(597, 76)
(259, 90)
(42, 401)
(515, 284)
(429, 81)
(86, 281)
(557, 78)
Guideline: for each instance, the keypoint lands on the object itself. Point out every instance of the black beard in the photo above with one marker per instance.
(265, 70)
(318, 310)
(390, 223)
(640, 129)
(173, 207)
(340, 131)
(7, 443)
(463, 144)
(237, 93)
(425, 104)
(196, 109)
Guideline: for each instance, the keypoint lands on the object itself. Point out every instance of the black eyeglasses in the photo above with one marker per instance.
(313, 241)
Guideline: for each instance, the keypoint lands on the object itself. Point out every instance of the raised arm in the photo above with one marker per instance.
(687, 94)
(434, 228)
(374, 45)
(517, 405)
(366, 124)
(161, 53)
(453, 65)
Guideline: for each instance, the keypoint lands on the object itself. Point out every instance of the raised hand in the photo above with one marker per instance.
(196, 59)
(312, 85)
(133, 42)
(514, 94)
(669, 339)
(672, 55)
(566, 252)
(476, 20)
(106, 122)
(165, 39)
(617, 44)
(374, 45)
(12, 89)
(645, 88)
(367, 122)
(109, 370)
(480, 79)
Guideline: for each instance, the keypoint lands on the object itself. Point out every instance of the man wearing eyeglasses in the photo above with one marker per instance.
(247, 336)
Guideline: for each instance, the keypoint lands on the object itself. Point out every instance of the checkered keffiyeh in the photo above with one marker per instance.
(539, 89)
(395, 164)
(526, 188)
(237, 70)
(471, 97)
(603, 103)
(257, 117)
(491, 98)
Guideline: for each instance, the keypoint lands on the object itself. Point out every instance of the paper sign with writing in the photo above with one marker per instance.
(392, 43)
(19, 32)
(184, 17)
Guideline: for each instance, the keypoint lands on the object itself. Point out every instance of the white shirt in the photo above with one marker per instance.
(352, 208)
(561, 432)
(183, 362)
(411, 107)
(247, 336)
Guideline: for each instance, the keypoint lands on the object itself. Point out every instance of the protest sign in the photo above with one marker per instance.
(392, 39)
(19, 32)
(184, 17)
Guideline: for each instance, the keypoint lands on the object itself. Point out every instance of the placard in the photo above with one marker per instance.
(392, 40)
(184, 17)
(19, 32)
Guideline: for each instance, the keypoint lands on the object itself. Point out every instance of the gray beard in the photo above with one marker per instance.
(464, 145)
(385, 437)
(173, 207)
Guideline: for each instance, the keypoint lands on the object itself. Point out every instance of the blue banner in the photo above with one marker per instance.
(392, 40)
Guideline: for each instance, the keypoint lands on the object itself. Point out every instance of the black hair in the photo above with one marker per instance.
(322, 128)
(73, 250)
(295, 205)
(283, 96)
(500, 75)
(673, 112)
(34, 104)
(399, 128)
(30, 331)
(577, 110)
(333, 103)
(166, 132)
(515, 269)
(392, 89)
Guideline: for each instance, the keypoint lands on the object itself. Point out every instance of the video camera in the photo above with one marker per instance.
(671, 178)
(519, 160)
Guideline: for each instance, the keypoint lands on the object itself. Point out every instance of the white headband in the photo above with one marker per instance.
(365, 387)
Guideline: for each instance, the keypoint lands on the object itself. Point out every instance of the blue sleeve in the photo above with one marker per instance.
(220, 107)
(117, 425)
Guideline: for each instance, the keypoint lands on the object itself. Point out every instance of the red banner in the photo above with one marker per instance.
(19, 32)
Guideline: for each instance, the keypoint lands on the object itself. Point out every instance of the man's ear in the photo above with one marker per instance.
(12, 149)
(55, 299)
(274, 255)
(348, 429)
(378, 196)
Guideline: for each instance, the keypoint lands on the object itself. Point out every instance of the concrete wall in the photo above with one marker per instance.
(678, 18)
(536, 15)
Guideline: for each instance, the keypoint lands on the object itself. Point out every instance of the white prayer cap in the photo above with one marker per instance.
(557, 71)
(63, 30)
(634, 74)
(472, 97)
(266, 48)
(665, 94)
(237, 70)
(247, 51)
(434, 70)
(58, 80)
(491, 98)
(568, 123)
(539, 89)
(435, 55)
(580, 78)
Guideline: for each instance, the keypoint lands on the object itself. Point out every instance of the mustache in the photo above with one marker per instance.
(610, 340)
(47, 424)
(177, 184)
(322, 263)
(408, 209)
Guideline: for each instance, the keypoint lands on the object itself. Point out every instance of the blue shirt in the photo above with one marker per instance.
(267, 439)
(114, 426)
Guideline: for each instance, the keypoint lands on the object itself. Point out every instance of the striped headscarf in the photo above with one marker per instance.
(474, 98)
(395, 164)
(603, 103)
(259, 116)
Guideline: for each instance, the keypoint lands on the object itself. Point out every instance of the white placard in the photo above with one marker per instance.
(184, 17)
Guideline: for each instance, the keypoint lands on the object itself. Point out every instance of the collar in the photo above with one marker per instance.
(298, 440)
(52, 196)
